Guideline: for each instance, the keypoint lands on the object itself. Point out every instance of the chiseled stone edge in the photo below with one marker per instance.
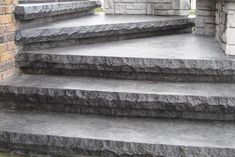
(99, 39)
(126, 64)
(58, 34)
(26, 24)
(122, 100)
(105, 148)
(51, 9)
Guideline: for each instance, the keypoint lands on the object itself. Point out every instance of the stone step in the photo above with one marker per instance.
(120, 97)
(70, 134)
(35, 14)
(100, 27)
(167, 58)
(45, 1)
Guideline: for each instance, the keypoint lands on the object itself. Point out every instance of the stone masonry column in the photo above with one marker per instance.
(205, 20)
(229, 8)
(8, 48)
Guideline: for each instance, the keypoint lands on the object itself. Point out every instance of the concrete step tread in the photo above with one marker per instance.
(100, 25)
(38, 10)
(120, 86)
(183, 57)
(178, 47)
(164, 137)
(214, 101)
(103, 19)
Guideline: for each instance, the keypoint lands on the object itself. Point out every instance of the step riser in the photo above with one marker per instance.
(111, 111)
(133, 75)
(123, 104)
(102, 148)
(24, 24)
(59, 37)
(129, 68)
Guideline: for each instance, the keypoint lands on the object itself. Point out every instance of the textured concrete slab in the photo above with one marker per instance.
(182, 57)
(39, 10)
(102, 19)
(121, 97)
(107, 136)
(98, 28)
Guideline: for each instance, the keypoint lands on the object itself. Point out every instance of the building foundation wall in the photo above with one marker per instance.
(148, 7)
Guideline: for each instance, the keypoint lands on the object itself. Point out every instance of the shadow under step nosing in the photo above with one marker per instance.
(120, 97)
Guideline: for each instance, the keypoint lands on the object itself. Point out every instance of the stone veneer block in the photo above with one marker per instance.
(205, 20)
(150, 7)
(217, 18)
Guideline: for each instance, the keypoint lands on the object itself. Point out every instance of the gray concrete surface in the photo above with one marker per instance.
(183, 46)
(182, 57)
(47, 132)
(120, 97)
(102, 19)
(127, 86)
(90, 31)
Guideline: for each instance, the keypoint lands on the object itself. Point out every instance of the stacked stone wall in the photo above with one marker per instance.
(205, 20)
(8, 49)
(228, 37)
(148, 7)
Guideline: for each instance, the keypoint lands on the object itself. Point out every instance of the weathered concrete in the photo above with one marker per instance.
(172, 58)
(121, 97)
(98, 28)
(106, 136)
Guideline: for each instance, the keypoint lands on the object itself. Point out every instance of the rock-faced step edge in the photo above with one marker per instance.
(39, 10)
(73, 134)
(157, 69)
(184, 57)
(34, 15)
(40, 38)
(120, 97)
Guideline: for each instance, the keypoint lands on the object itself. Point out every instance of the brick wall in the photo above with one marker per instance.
(8, 48)
(149, 7)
